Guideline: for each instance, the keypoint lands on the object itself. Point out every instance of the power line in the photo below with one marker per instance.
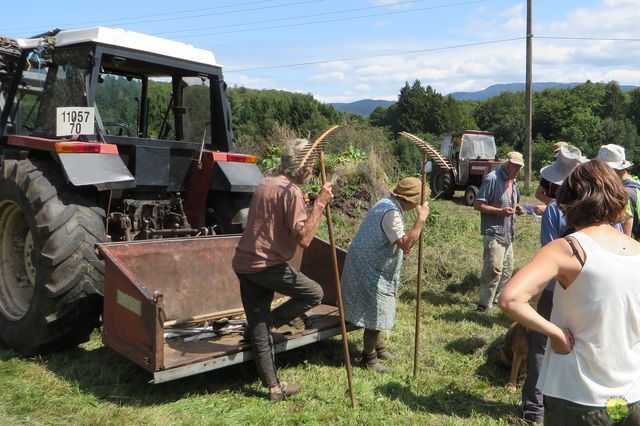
(356, 58)
(326, 61)
(587, 38)
(334, 20)
(198, 15)
(144, 16)
(335, 12)
(296, 3)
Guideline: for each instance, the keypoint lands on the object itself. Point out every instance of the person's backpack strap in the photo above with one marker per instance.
(631, 184)
(575, 250)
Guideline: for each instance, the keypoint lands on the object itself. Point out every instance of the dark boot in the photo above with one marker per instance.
(382, 352)
(370, 361)
(385, 355)
(294, 326)
(283, 390)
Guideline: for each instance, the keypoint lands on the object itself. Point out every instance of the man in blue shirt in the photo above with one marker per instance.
(497, 202)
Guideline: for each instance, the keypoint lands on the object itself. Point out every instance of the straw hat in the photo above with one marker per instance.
(567, 159)
(408, 189)
(514, 158)
(614, 156)
(558, 145)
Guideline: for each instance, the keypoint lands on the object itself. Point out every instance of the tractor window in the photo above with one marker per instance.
(65, 87)
(197, 117)
(445, 147)
(118, 104)
(23, 115)
(183, 115)
(480, 147)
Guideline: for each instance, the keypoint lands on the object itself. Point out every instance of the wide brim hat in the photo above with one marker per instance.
(408, 189)
(558, 145)
(614, 156)
(514, 157)
(567, 159)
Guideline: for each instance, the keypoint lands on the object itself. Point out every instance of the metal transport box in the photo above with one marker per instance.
(153, 286)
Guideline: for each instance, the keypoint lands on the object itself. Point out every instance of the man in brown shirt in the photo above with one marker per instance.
(277, 224)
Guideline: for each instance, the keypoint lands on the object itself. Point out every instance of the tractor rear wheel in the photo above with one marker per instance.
(470, 195)
(227, 211)
(442, 185)
(51, 280)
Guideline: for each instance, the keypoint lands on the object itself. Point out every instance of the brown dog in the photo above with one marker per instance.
(513, 353)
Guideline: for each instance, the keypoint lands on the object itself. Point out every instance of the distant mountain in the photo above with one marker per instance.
(496, 89)
(362, 107)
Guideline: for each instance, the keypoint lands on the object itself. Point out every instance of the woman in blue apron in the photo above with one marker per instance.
(372, 268)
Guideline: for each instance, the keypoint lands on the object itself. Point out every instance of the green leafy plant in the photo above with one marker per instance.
(350, 189)
(270, 161)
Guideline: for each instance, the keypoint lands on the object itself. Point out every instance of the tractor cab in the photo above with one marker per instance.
(468, 147)
(140, 86)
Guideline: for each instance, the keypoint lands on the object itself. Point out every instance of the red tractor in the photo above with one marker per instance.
(122, 141)
(464, 158)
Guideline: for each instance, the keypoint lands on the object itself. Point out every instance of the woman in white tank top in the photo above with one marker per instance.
(591, 370)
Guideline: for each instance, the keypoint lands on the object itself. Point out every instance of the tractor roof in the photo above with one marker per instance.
(129, 40)
(470, 132)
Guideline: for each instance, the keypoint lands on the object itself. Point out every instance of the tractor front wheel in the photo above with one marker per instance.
(442, 185)
(51, 281)
(470, 195)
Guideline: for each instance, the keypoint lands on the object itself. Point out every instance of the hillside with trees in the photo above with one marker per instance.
(588, 115)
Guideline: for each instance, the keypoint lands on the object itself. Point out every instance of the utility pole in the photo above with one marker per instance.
(528, 105)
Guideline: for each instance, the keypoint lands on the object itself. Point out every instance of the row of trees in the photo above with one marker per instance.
(588, 116)
(258, 115)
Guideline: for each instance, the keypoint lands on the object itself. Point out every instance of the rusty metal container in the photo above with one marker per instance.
(155, 284)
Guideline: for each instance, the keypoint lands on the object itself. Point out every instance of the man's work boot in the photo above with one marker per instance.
(283, 390)
(370, 361)
(294, 326)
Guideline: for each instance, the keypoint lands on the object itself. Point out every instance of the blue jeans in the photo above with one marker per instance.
(532, 404)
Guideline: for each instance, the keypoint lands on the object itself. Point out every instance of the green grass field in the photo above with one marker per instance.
(458, 382)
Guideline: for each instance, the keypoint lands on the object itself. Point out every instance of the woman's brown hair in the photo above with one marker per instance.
(592, 193)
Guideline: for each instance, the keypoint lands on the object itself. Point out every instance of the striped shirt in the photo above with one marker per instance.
(493, 191)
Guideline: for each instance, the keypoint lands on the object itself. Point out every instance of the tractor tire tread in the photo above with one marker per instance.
(67, 303)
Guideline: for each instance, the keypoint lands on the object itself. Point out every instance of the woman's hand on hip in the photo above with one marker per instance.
(562, 344)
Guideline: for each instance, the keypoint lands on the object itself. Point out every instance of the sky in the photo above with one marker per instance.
(343, 51)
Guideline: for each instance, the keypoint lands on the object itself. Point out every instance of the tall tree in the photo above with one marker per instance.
(504, 116)
(613, 102)
(633, 108)
(411, 108)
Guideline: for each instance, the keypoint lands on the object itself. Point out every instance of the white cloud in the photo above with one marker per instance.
(465, 86)
(388, 2)
(336, 65)
(336, 75)
(515, 11)
(233, 79)
(614, 3)
(383, 23)
(486, 23)
(477, 67)
(618, 20)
